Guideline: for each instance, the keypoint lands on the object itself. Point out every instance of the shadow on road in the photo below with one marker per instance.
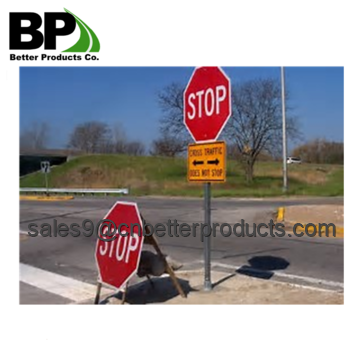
(158, 291)
(263, 267)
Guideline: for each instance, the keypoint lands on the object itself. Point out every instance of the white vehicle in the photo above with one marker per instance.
(293, 160)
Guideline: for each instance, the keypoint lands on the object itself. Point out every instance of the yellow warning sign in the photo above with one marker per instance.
(207, 162)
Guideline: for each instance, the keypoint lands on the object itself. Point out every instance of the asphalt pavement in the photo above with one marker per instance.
(48, 265)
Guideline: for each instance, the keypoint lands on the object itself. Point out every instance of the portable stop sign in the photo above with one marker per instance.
(118, 259)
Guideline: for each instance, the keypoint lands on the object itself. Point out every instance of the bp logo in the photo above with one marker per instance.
(88, 40)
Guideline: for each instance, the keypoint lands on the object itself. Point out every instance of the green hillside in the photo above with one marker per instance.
(165, 176)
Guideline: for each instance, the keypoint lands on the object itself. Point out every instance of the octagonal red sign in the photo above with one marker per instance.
(118, 260)
(207, 103)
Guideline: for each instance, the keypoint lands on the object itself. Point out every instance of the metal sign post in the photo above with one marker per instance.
(207, 164)
(207, 239)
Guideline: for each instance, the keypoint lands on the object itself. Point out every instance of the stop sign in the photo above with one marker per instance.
(207, 103)
(117, 260)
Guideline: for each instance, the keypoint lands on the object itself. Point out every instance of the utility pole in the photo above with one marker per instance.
(285, 177)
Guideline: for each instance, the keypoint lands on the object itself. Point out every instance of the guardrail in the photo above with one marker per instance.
(75, 191)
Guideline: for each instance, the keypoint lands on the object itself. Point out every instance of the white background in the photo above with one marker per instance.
(187, 33)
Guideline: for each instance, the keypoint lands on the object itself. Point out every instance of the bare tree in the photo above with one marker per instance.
(119, 141)
(167, 145)
(135, 148)
(255, 126)
(321, 151)
(35, 137)
(256, 122)
(91, 137)
(172, 107)
(233, 153)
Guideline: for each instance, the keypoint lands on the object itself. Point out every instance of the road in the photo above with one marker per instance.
(71, 259)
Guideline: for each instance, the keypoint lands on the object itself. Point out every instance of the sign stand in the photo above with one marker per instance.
(98, 290)
(207, 108)
(150, 240)
(207, 239)
(207, 164)
(124, 293)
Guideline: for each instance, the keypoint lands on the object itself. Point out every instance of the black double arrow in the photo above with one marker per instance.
(209, 162)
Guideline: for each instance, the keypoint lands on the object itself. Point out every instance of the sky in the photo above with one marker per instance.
(66, 96)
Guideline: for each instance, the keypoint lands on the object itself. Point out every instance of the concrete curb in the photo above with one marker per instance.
(280, 217)
(45, 198)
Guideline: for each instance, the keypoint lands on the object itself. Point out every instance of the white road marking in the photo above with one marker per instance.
(66, 287)
(26, 232)
(310, 279)
(285, 275)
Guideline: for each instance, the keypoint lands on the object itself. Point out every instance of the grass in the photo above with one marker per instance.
(165, 176)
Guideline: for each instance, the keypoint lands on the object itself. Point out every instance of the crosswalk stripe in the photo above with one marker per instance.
(66, 287)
